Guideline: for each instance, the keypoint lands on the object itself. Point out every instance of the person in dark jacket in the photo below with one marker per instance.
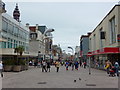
(48, 66)
(116, 65)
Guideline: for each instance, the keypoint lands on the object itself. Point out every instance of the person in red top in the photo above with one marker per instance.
(84, 64)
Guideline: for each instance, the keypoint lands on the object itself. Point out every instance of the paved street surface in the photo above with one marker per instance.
(34, 78)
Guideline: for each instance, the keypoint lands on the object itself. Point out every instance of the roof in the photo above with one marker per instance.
(106, 16)
(42, 29)
(32, 28)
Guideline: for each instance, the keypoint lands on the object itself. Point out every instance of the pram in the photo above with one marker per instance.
(112, 72)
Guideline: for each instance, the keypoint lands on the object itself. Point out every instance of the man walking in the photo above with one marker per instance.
(48, 66)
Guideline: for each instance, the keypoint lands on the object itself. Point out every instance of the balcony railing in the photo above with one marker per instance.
(2, 7)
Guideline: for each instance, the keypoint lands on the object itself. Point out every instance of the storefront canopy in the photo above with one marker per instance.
(106, 50)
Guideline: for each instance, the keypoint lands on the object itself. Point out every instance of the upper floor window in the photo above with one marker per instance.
(4, 26)
(112, 31)
(33, 35)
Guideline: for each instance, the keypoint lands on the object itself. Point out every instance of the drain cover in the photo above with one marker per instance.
(90, 84)
(42, 82)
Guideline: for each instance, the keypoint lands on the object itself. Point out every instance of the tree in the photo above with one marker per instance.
(19, 50)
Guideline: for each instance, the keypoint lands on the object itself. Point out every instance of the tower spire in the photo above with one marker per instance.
(16, 13)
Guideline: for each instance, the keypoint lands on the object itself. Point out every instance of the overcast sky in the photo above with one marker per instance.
(70, 20)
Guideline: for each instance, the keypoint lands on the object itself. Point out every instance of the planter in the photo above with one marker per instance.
(17, 68)
(22, 67)
(26, 67)
(8, 68)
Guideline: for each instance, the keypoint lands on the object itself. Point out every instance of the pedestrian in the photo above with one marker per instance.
(39, 64)
(73, 64)
(30, 63)
(44, 66)
(35, 63)
(1, 68)
(116, 65)
(57, 64)
(80, 63)
(85, 64)
(108, 65)
(67, 65)
(48, 66)
(76, 65)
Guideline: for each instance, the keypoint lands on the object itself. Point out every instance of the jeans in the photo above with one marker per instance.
(44, 69)
(108, 70)
(117, 71)
(57, 69)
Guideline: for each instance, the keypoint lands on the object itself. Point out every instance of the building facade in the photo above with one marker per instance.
(84, 47)
(104, 42)
(77, 52)
(40, 42)
(37, 44)
(12, 35)
(57, 52)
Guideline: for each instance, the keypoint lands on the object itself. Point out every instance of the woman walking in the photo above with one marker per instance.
(57, 64)
(44, 66)
(108, 65)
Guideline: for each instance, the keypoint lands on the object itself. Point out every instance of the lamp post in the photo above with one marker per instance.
(89, 55)
(47, 37)
(72, 50)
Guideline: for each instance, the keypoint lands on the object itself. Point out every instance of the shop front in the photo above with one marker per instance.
(99, 57)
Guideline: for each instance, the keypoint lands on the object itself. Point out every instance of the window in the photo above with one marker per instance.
(102, 37)
(112, 31)
(3, 44)
(94, 38)
(4, 26)
(10, 28)
(9, 43)
(33, 35)
(90, 44)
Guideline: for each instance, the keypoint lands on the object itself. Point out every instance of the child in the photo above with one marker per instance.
(112, 71)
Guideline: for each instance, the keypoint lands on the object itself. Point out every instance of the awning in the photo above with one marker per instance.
(1, 39)
(106, 50)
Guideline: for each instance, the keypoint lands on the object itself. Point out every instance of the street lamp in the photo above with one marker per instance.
(72, 50)
(89, 55)
(47, 31)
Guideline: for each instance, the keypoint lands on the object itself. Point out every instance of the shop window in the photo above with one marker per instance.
(102, 35)
(112, 31)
